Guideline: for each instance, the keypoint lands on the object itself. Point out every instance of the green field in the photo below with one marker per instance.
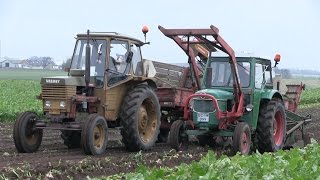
(18, 91)
(27, 74)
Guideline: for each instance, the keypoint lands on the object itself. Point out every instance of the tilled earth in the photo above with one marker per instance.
(55, 160)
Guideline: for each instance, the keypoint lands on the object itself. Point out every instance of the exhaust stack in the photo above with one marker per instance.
(88, 54)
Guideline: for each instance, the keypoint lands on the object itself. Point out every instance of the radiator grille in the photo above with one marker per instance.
(203, 105)
(58, 92)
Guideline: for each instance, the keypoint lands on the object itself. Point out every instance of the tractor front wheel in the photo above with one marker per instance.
(178, 140)
(242, 138)
(140, 118)
(94, 135)
(271, 127)
(27, 138)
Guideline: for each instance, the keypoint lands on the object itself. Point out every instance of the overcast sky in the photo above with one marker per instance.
(47, 28)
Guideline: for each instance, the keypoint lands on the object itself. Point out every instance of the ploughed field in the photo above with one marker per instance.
(54, 159)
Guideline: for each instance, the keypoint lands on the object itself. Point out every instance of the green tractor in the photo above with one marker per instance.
(236, 99)
(107, 86)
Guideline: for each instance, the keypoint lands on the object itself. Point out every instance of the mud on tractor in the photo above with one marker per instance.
(107, 86)
(235, 98)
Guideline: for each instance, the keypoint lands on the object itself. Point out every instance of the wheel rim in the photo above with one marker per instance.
(98, 136)
(244, 143)
(278, 127)
(31, 135)
(147, 121)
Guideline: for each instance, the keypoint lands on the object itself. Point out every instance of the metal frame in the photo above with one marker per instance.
(202, 37)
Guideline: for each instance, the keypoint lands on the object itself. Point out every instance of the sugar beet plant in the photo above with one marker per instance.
(294, 164)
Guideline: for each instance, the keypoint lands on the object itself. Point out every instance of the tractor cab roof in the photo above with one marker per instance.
(109, 35)
(242, 58)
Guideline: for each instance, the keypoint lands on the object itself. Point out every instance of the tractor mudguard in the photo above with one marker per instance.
(270, 93)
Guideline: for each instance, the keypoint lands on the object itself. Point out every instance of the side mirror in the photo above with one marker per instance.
(129, 57)
(66, 69)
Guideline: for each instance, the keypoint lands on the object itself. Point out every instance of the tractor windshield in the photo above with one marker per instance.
(222, 75)
(98, 56)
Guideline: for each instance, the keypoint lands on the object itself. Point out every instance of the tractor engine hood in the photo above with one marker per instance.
(63, 80)
(217, 93)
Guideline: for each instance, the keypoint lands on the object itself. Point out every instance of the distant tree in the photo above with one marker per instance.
(66, 64)
(45, 61)
(40, 61)
(285, 73)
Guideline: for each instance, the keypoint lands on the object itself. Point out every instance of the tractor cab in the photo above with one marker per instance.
(112, 53)
(255, 77)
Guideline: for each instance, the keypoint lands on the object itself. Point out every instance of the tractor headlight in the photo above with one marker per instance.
(47, 104)
(62, 104)
(249, 107)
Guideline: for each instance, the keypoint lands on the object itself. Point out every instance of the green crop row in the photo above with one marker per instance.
(310, 96)
(17, 96)
(294, 164)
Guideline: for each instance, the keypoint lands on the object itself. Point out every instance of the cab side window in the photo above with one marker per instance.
(136, 59)
(259, 76)
(118, 66)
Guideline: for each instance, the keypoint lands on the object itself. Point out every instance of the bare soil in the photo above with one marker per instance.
(55, 160)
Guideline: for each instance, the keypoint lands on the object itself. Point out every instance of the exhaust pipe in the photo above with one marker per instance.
(88, 54)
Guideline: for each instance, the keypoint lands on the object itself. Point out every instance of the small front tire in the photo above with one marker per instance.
(94, 135)
(178, 140)
(27, 138)
(242, 138)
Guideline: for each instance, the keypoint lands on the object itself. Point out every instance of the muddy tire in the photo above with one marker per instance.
(72, 139)
(177, 139)
(241, 140)
(271, 127)
(94, 135)
(140, 118)
(26, 138)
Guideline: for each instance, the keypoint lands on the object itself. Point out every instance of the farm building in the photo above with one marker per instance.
(12, 64)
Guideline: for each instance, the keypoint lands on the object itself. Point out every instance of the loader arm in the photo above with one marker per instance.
(202, 37)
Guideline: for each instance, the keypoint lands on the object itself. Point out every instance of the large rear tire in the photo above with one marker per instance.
(271, 127)
(140, 118)
(242, 138)
(94, 135)
(26, 138)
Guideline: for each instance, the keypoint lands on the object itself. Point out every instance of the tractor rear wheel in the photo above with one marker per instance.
(71, 139)
(242, 138)
(178, 140)
(94, 135)
(26, 138)
(140, 118)
(271, 127)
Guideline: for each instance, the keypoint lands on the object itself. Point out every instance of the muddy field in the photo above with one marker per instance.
(54, 160)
